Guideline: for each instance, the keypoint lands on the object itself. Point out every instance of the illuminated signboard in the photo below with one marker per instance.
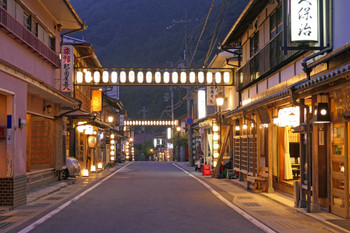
(96, 101)
(201, 104)
(304, 20)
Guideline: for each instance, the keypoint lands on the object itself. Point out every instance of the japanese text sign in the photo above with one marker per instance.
(304, 20)
(96, 101)
(67, 68)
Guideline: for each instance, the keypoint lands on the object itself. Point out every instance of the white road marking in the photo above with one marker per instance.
(52, 213)
(250, 218)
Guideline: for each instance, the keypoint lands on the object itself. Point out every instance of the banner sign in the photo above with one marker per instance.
(96, 101)
(211, 91)
(304, 20)
(67, 68)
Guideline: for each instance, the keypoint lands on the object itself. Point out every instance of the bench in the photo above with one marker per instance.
(258, 183)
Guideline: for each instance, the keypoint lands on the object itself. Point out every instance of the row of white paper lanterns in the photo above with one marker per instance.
(150, 122)
(218, 77)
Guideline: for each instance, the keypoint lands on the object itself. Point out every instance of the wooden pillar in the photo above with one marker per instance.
(315, 207)
(271, 152)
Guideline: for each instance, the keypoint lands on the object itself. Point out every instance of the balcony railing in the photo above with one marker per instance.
(270, 57)
(12, 27)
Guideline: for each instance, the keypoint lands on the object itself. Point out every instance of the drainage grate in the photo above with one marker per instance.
(3, 225)
(265, 213)
(2, 218)
(22, 213)
(244, 197)
(54, 198)
(34, 206)
(250, 203)
(289, 225)
(64, 193)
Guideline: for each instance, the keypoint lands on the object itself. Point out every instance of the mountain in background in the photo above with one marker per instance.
(151, 34)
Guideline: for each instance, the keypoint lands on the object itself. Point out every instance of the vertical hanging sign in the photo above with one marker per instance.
(67, 68)
(96, 101)
(211, 91)
(304, 20)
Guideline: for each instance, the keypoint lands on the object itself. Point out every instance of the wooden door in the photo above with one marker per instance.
(41, 143)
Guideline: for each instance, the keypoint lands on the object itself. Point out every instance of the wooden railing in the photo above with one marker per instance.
(265, 60)
(14, 28)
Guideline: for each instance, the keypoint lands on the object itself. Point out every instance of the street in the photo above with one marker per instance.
(147, 197)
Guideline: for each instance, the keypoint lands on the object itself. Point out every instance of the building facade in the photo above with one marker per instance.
(31, 139)
(289, 111)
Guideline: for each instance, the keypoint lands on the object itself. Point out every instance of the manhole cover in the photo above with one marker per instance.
(22, 213)
(3, 225)
(53, 198)
(251, 204)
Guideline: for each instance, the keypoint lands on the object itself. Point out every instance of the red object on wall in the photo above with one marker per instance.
(206, 170)
(2, 132)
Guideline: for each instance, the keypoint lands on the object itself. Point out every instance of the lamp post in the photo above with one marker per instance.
(219, 99)
(178, 143)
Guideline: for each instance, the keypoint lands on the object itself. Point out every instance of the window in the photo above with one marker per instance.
(35, 28)
(276, 22)
(27, 21)
(52, 42)
(254, 44)
(3, 4)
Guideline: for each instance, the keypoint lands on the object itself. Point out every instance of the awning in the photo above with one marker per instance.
(64, 13)
(209, 117)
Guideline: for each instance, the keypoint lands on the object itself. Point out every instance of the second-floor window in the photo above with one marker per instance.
(3, 4)
(254, 44)
(27, 21)
(35, 28)
(276, 22)
(52, 41)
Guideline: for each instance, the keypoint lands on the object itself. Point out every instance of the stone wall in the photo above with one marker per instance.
(13, 191)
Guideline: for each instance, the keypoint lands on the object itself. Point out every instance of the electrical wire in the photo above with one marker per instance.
(217, 35)
(200, 37)
(210, 49)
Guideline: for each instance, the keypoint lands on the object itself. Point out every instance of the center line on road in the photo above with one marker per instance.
(250, 218)
(52, 213)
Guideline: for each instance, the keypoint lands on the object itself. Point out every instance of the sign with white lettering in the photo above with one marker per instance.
(202, 107)
(304, 20)
(67, 68)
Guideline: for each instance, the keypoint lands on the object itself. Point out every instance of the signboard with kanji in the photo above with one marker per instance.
(96, 101)
(211, 91)
(304, 20)
(67, 68)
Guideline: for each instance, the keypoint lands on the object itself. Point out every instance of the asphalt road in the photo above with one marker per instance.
(146, 197)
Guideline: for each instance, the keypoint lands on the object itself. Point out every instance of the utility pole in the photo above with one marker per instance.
(186, 52)
(189, 139)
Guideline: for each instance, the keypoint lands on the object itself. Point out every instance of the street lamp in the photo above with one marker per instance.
(178, 129)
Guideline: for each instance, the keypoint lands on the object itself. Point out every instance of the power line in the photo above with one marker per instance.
(212, 43)
(203, 29)
(217, 35)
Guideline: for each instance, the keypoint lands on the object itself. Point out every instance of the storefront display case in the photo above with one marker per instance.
(339, 171)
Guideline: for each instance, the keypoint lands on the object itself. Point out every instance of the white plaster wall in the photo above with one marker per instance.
(287, 72)
(273, 80)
